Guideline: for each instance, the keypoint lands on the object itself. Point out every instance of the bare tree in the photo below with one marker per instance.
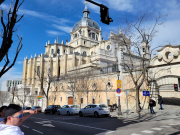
(7, 34)
(137, 33)
(22, 95)
(4, 96)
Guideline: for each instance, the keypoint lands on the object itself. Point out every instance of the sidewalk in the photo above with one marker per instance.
(170, 111)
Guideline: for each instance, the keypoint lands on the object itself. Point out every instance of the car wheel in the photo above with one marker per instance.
(96, 115)
(68, 114)
(51, 112)
(80, 114)
(59, 113)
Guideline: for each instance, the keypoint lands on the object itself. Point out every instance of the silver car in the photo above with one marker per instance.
(95, 110)
(68, 109)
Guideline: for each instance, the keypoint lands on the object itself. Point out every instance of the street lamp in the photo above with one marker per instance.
(119, 105)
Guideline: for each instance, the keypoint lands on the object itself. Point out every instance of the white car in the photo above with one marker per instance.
(68, 109)
(94, 110)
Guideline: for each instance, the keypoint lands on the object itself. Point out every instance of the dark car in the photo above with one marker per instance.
(52, 109)
(38, 108)
(26, 108)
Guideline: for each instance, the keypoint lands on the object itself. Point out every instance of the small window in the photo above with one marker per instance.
(96, 37)
(52, 51)
(83, 33)
(143, 49)
(64, 51)
(108, 102)
(84, 42)
(93, 35)
(61, 99)
(59, 71)
(58, 51)
(93, 101)
(84, 53)
(108, 47)
(92, 53)
(38, 70)
(77, 42)
(81, 100)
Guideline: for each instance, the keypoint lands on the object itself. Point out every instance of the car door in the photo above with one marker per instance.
(86, 110)
(92, 109)
(62, 110)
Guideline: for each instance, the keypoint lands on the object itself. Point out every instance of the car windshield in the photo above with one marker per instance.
(74, 106)
(102, 106)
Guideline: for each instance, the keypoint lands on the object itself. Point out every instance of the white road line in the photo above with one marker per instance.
(173, 124)
(38, 131)
(157, 128)
(147, 131)
(135, 134)
(77, 125)
(110, 132)
(165, 126)
(25, 126)
(48, 125)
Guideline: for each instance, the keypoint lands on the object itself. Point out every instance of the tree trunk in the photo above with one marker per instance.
(87, 99)
(137, 100)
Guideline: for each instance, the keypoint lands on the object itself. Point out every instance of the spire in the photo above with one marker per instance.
(120, 31)
(31, 56)
(35, 55)
(62, 42)
(86, 12)
(57, 39)
(144, 37)
(26, 57)
(48, 41)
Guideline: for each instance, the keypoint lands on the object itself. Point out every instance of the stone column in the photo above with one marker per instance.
(24, 71)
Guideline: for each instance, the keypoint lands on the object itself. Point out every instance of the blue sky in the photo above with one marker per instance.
(46, 19)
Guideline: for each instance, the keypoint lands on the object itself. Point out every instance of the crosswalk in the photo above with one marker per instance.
(157, 129)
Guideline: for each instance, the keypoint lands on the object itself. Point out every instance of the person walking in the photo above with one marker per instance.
(13, 118)
(151, 105)
(160, 101)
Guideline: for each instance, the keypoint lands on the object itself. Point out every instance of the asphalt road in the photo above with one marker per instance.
(48, 124)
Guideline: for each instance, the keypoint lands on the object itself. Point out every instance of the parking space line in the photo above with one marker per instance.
(25, 126)
(147, 131)
(157, 128)
(38, 131)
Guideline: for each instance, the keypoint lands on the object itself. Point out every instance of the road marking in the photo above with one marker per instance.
(104, 133)
(38, 131)
(135, 134)
(42, 122)
(173, 124)
(157, 128)
(165, 126)
(78, 125)
(147, 131)
(48, 125)
(25, 126)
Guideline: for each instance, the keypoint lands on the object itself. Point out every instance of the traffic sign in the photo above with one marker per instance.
(145, 93)
(118, 90)
(39, 97)
(118, 83)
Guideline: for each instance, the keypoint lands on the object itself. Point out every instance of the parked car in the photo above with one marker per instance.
(95, 110)
(38, 108)
(69, 109)
(52, 109)
(26, 108)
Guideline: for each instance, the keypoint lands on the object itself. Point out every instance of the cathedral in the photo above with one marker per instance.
(86, 51)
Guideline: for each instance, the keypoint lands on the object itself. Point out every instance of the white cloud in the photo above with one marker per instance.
(54, 33)
(40, 15)
(19, 62)
(13, 73)
(66, 29)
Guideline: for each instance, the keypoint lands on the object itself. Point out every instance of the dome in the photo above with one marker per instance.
(86, 20)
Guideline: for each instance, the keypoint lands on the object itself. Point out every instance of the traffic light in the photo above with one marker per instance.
(179, 82)
(105, 14)
(175, 87)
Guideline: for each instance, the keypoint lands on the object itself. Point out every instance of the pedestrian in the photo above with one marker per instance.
(152, 103)
(2, 109)
(160, 101)
(13, 118)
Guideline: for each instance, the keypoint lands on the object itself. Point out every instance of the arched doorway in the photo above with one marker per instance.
(70, 100)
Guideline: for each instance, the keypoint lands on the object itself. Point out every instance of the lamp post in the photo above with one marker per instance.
(119, 105)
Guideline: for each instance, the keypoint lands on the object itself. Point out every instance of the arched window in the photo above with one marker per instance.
(84, 53)
(93, 35)
(83, 33)
(58, 51)
(64, 51)
(52, 51)
(84, 42)
(96, 37)
(89, 35)
(108, 47)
